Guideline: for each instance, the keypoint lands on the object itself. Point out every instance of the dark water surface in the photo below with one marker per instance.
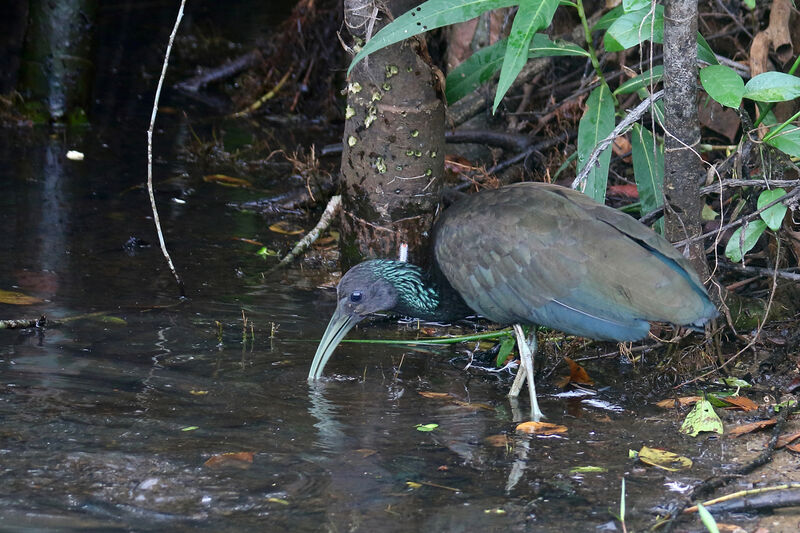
(107, 421)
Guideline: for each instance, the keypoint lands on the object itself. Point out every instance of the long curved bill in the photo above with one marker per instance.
(341, 322)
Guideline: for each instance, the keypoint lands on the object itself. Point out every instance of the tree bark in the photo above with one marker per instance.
(683, 174)
(393, 158)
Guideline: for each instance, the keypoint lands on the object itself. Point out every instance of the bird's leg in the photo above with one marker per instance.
(526, 369)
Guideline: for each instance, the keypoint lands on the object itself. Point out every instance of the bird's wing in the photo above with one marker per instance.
(538, 253)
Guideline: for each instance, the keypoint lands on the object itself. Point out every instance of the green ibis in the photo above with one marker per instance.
(531, 253)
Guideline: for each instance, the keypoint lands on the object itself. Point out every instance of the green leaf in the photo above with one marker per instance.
(506, 345)
(475, 71)
(633, 28)
(426, 427)
(707, 519)
(634, 5)
(701, 418)
(588, 470)
(735, 382)
(595, 125)
(428, 16)
(645, 79)
(723, 84)
(542, 46)
(735, 248)
(532, 16)
(787, 141)
(648, 170)
(704, 51)
(772, 87)
(774, 215)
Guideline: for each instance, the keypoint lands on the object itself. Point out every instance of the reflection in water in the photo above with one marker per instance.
(330, 436)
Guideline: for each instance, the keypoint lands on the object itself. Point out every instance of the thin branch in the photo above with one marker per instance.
(633, 116)
(766, 183)
(324, 221)
(736, 223)
(761, 271)
(156, 220)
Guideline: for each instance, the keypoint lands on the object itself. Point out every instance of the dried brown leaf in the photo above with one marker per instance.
(753, 426)
(740, 402)
(683, 401)
(542, 428)
(241, 460)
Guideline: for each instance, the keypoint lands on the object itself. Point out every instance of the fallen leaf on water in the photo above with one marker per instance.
(413, 484)
(235, 459)
(17, 298)
(281, 501)
(190, 428)
(198, 392)
(473, 405)
(248, 241)
(443, 468)
(498, 441)
(284, 228)
(227, 181)
(752, 426)
(577, 374)
(663, 459)
(784, 440)
(542, 428)
(702, 418)
(683, 401)
(426, 427)
(366, 452)
(427, 394)
(325, 241)
(741, 402)
(587, 469)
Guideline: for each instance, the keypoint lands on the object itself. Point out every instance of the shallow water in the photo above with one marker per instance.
(108, 420)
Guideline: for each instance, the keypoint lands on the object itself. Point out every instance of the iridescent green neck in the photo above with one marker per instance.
(421, 294)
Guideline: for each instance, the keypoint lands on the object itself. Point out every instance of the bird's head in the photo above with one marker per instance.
(363, 290)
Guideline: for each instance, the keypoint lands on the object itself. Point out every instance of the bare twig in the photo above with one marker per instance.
(156, 220)
(634, 115)
(324, 221)
(736, 223)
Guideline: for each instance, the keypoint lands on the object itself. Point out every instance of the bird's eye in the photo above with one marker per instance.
(355, 296)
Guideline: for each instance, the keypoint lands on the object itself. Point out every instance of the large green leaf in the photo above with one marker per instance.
(723, 84)
(774, 215)
(737, 247)
(532, 16)
(645, 79)
(787, 141)
(704, 51)
(475, 71)
(595, 125)
(648, 170)
(428, 16)
(542, 46)
(633, 28)
(772, 87)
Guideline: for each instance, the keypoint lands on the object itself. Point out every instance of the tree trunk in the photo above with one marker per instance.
(393, 159)
(683, 174)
